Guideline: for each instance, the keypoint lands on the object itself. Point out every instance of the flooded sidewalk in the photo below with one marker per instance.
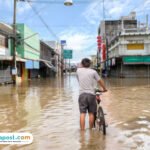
(48, 109)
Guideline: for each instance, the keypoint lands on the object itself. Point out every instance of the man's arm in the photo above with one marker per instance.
(101, 83)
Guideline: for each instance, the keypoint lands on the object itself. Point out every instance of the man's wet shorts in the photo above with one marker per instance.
(87, 101)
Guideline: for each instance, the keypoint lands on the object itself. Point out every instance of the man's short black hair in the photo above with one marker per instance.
(86, 62)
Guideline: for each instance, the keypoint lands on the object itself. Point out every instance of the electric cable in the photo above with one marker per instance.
(32, 15)
(54, 2)
(42, 20)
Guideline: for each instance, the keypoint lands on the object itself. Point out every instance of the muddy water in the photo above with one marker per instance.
(49, 110)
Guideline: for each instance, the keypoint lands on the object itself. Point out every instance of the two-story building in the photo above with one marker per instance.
(33, 57)
(129, 54)
(48, 66)
(28, 48)
(6, 34)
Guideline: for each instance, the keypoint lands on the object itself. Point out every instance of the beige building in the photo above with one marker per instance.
(127, 47)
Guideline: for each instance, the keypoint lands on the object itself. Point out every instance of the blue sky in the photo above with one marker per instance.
(77, 24)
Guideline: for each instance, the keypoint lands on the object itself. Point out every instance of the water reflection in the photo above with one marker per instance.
(49, 110)
(91, 139)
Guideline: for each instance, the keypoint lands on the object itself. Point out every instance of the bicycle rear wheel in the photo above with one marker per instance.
(101, 120)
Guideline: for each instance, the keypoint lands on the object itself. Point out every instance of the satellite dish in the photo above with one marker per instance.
(68, 2)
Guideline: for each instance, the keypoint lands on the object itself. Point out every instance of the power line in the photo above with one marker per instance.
(31, 15)
(53, 2)
(62, 26)
(42, 20)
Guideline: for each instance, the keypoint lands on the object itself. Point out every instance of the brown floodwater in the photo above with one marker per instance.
(48, 109)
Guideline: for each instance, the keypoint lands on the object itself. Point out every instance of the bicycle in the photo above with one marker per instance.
(99, 122)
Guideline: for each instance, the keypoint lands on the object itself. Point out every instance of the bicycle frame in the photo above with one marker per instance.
(99, 115)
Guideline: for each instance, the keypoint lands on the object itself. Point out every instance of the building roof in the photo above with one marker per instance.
(49, 45)
(52, 44)
(6, 29)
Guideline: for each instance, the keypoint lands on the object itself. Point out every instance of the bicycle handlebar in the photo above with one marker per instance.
(100, 91)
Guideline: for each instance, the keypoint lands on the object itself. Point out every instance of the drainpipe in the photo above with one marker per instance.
(14, 69)
(147, 22)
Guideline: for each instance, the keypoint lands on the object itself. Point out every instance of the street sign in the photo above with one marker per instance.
(63, 42)
(67, 54)
(14, 71)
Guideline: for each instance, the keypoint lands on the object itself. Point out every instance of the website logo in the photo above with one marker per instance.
(16, 138)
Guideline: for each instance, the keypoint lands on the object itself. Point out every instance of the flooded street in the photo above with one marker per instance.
(48, 109)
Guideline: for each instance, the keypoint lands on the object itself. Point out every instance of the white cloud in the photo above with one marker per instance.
(147, 3)
(23, 7)
(144, 7)
(8, 3)
(82, 43)
(77, 40)
(117, 8)
(113, 9)
(93, 13)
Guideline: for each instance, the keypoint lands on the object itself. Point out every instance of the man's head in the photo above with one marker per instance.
(86, 62)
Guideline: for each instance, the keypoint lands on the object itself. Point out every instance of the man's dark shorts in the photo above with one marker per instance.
(87, 102)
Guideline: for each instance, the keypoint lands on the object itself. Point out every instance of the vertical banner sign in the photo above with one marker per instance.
(99, 41)
(103, 52)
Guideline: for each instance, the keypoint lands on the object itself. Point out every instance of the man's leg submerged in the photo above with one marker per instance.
(91, 120)
(82, 121)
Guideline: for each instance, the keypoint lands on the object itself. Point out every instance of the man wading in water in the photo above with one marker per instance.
(87, 77)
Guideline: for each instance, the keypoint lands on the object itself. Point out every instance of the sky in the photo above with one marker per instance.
(77, 24)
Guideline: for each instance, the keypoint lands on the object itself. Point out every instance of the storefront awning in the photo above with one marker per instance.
(10, 58)
(49, 64)
(32, 64)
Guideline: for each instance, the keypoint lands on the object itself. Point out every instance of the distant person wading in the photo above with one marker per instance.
(87, 77)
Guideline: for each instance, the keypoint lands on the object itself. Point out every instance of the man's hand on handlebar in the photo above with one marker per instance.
(104, 90)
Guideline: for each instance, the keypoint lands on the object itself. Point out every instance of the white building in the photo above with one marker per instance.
(129, 54)
(127, 47)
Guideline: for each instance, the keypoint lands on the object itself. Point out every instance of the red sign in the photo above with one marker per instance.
(99, 37)
(99, 41)
(103, 52)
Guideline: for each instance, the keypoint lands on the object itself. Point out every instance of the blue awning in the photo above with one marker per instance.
(31, 64)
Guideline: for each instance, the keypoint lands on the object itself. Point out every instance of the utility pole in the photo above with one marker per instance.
(14, 68)
(103, 10)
